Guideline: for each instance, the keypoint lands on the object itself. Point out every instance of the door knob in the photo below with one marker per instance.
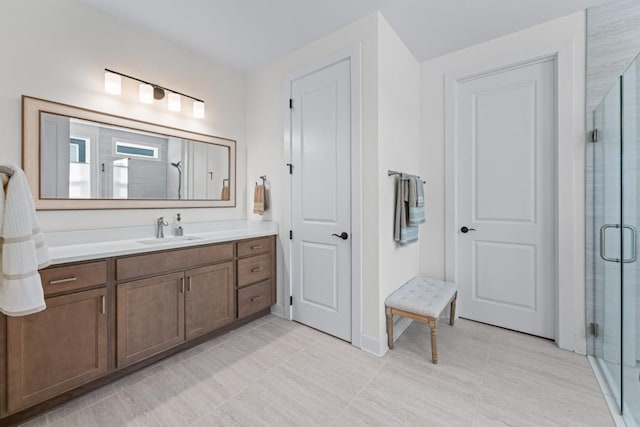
(343, 235)
(466, 229)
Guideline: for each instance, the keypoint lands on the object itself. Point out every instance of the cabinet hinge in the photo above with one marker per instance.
(290, 103)
(593, 329)
(290, 234)
(594, 135)
(291, 300)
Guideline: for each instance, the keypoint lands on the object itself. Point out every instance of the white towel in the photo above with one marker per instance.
(22, 248)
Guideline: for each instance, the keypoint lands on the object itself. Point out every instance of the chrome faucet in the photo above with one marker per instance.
(160, 229)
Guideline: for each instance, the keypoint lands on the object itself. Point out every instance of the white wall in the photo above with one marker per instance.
(390, 76)
(265, 142)
(569, 30)
(398, 148)
(57, 50)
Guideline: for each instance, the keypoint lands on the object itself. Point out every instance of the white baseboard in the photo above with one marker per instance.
(399, 326)
(376, 346)
(580, 345)
(379, 346)
(278, 310)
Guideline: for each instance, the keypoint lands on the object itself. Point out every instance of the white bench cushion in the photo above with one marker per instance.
(422, 295)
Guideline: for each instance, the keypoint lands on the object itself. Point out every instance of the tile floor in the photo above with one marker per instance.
(280, 373)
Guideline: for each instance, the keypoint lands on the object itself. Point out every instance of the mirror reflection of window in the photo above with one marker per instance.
(137, 150)
(121, 178)
(79, 168)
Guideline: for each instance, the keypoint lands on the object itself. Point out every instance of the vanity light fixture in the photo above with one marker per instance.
(174, 102)
(112, 83)
(147, 92)
(198, 109)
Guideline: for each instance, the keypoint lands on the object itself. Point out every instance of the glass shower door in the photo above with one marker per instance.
(630, 88)
(606, 329)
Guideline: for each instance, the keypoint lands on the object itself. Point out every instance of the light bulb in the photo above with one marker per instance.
(198, 109)
(174, 102)
(145, 93)
(112, 83)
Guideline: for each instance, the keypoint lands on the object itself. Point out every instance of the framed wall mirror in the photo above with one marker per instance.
(76, 158)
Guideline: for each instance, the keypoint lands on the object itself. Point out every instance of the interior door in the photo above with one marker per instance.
(506, 199)
(321, 198)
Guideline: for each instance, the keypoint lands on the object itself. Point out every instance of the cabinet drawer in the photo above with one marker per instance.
(254, 247)
(254, 269)
(163, 262)
(73, 277)
(254, 298)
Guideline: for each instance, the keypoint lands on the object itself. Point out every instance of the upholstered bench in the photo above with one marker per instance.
(423, 299)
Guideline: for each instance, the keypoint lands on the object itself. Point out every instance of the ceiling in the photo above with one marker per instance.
(247, 34)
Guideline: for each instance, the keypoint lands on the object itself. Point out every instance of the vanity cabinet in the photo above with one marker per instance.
(150, 317)
(160, 312)
(105, 316)
(57, 349)
(210, 299)
(256, 281)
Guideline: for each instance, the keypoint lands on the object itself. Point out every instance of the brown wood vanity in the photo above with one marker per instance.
(106, 318)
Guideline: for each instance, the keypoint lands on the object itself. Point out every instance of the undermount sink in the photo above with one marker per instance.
(166, 240)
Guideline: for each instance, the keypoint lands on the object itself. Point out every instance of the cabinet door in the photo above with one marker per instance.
(210, 301)
(57, 349)
(150, 317)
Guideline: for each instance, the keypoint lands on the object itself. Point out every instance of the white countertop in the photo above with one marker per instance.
(83, 245)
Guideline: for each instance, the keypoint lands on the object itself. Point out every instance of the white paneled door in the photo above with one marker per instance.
(321, 199)
(505, 132)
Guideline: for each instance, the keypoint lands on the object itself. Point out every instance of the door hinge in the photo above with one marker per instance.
(290, 166)
(290, 103)
(290, 234)
(593, 329)
(594, 135)
(291, 300)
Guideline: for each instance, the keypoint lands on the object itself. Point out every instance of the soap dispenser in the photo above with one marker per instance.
(179, 230)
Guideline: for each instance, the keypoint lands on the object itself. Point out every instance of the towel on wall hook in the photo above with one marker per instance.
(260, 197)
(226, 190)
(23, 250)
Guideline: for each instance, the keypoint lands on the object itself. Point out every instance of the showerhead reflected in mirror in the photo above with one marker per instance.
(112, 164)
(178, 166)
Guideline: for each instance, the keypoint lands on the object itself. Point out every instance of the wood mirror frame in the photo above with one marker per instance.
(31, 119)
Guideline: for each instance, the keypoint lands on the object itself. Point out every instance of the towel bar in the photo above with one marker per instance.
(402, 175)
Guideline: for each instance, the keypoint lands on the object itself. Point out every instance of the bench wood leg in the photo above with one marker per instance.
(433, 324)
(452, 312)
(389, 327)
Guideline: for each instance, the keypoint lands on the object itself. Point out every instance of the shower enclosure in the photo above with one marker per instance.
(613, 217)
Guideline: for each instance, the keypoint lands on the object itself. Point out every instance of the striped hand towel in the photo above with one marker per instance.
(259, 200)
(22, 249)
(403, 231)
(416, 201)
